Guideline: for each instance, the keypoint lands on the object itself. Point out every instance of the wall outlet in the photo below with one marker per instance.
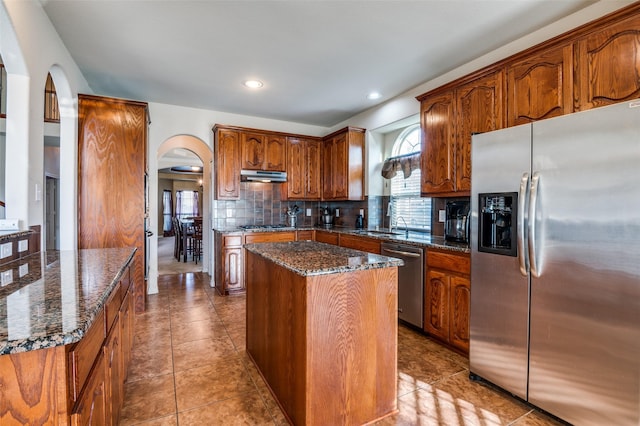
(6, 278)
(308, 212)
(362, 212)
(337, 212)
(23, 270)
(442, 216)
(9, 225)
(6, 250)
(23, 245)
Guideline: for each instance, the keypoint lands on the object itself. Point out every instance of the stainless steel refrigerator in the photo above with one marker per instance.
(555, 264)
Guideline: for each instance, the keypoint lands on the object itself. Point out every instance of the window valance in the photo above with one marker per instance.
(407, 163)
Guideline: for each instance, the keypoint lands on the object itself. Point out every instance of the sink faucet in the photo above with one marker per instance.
(406, 228)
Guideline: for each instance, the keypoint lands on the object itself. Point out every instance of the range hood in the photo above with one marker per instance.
(262, 176)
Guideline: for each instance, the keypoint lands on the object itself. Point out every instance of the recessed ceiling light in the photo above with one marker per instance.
(253, 84)
(374, 95)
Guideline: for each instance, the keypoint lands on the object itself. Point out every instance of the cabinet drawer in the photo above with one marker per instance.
(125, 282)
(270, 237)
(359, 243)
(232, 241)
(305, 236)
(84, 354)
(112, 307)
(451, 262)
(327, 237)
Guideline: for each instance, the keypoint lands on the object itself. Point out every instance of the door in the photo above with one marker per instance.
(52, 228)
(585, 290)
(500, 292)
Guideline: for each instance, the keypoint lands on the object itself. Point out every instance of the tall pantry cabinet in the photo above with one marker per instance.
(112, 166)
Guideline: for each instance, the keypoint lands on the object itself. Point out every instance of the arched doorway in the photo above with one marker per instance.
(198, 147)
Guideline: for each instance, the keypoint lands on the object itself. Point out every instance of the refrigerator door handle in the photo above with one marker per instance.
(522, 197)
(531, 224)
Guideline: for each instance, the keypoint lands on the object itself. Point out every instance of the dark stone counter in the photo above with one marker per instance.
(309, 258)
(51, 298)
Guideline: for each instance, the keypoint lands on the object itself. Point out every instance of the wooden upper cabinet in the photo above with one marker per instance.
(275, 153)
(303, 169)
(263, 151)
(227, 157)
(479, 109)
(343, 163)
(253, 151)
(540, 86)
(609, 64)
(438, 144)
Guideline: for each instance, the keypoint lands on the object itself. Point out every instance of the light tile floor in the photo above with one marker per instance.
(189, 367)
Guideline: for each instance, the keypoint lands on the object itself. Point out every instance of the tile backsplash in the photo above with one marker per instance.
(261, 204)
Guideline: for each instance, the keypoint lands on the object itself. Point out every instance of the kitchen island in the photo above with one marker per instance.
(66, 330)
(322, 330)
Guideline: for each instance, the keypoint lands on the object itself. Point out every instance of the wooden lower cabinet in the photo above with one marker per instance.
(229, 277)
(447, 298)
(91, 408)
(78, 384)
(460, 301)
(229, 272)
(436, 315)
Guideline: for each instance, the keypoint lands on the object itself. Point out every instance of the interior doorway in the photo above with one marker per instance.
(52, 218)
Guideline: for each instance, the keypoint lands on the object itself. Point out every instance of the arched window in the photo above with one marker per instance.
(408, 209)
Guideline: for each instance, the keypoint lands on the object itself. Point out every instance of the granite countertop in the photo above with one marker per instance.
(50, 299)
(418, 239)
(8, 235)
(312, 258)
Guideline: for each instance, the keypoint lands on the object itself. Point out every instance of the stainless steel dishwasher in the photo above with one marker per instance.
(410, 281)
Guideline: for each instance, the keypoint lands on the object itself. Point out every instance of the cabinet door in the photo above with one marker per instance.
(313, 169)
(478, 110)
(275, 153)
(126, 334)
(233, 269)
(341, 167)
(459, 313)
(436, 305)
(253, 151)
(91, 408)
(113, 352)
(112, 148)
(540, 86)
(608, 69)
(328, 170)
(227, 165)
(438, 144)
(296, 166)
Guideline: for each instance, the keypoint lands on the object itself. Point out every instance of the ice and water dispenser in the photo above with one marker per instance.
(497, 223)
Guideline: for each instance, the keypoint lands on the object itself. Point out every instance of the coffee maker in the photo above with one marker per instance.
(457, 221)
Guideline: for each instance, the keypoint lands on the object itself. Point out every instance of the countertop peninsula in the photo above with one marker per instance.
(51, 298)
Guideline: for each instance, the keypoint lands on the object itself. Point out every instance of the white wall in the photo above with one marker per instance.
(30, 47)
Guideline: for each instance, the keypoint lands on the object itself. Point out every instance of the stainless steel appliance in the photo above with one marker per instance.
(555, 263)
(327, 218)
(457, 221)
(410, 281)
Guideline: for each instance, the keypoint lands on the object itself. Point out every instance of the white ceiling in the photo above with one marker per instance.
(318, 59)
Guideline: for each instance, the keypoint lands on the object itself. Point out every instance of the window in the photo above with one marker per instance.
(408, 209)
(186, 204)
(167, 212)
